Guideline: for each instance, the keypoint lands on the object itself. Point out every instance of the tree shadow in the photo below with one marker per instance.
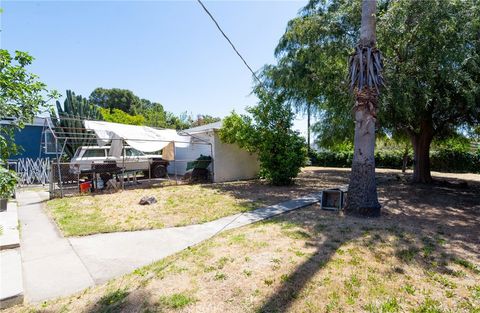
(261, 193)
(433, 226)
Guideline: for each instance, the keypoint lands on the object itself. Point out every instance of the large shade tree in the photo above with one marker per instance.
(431, 51)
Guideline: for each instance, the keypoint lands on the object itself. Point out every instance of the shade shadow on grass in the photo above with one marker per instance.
(438, 216)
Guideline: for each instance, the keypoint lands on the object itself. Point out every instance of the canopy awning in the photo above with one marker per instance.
(142, 138)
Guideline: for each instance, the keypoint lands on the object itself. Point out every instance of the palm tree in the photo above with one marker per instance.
(365, 76)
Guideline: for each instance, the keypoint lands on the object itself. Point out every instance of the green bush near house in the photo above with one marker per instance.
(8, 181)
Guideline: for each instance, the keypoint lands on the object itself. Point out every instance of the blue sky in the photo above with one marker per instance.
(164, 51)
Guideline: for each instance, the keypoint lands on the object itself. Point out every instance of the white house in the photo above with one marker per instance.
(230, 161)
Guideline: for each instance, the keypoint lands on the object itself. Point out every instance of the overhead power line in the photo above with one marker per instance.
(229, 41)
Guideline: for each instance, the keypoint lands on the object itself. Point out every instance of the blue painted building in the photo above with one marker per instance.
(32, 141)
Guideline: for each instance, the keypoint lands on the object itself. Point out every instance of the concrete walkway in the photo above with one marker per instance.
(55, 266)
(51, 267)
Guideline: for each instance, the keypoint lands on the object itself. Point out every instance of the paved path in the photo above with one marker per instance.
(51, 267)
(55, 266)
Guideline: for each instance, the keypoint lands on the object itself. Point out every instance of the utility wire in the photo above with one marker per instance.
(229, 41)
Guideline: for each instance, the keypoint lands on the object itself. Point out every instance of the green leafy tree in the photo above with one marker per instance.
(295, 79)
(154, 114)
(267, 132)
(183, 121)
(118, 116)
(115, 98)
(433, 53)
(68, 122)
(431, 50)
(22, 96)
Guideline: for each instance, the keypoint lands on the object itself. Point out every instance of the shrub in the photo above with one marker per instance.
(267, 132)
(8, 181)
(455, 161)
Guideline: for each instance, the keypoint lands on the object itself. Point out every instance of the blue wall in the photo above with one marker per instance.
(29, 140)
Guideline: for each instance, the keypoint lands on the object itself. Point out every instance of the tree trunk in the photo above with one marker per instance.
(368, 27)
(308, 127)
(362, 199)
(362, 196)
(405, 159)
(421, 153)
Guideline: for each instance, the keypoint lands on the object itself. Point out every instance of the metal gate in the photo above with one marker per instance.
(31, 171)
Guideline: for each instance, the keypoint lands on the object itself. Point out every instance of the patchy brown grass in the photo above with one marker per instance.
(176, 206)
(422, 255)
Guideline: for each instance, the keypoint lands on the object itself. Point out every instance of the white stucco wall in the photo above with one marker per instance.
(232, 162)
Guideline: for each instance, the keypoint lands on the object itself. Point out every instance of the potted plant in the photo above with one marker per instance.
(8, 181)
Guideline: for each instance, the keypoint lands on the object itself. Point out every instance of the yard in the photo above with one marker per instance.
(177, 205)
(420, 256)
(189, 204)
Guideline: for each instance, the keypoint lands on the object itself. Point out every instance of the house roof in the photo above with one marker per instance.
(204, 128)
(37, 121)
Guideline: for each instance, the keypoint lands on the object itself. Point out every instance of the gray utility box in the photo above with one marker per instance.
(333, 199)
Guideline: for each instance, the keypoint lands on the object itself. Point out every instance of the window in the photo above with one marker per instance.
(50, 144)
(133, 152)
(94, 153)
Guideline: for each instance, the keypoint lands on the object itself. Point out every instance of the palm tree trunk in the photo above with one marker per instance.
(362, 199)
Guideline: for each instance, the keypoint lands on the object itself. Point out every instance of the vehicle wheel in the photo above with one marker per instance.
(159, 171)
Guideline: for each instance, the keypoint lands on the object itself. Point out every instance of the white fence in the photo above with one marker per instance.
(32, 171)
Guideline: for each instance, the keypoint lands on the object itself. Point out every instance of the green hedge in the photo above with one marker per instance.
(442, 160)
(455, 161)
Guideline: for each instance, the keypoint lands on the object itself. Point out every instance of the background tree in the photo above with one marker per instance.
(154, 114)
(433, 54)
(115, 98)
(431, 51)
(180, 122)
(267, 132)
(296, 80)
(118, 116)
(22, 96)
(203, 120)
(68, 121)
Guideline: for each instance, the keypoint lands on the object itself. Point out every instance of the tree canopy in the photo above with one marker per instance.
(118, 116)
(115, 98)
(22, 96)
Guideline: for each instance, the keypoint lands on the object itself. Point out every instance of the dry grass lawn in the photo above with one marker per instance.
(177, 205)
(422, 255)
